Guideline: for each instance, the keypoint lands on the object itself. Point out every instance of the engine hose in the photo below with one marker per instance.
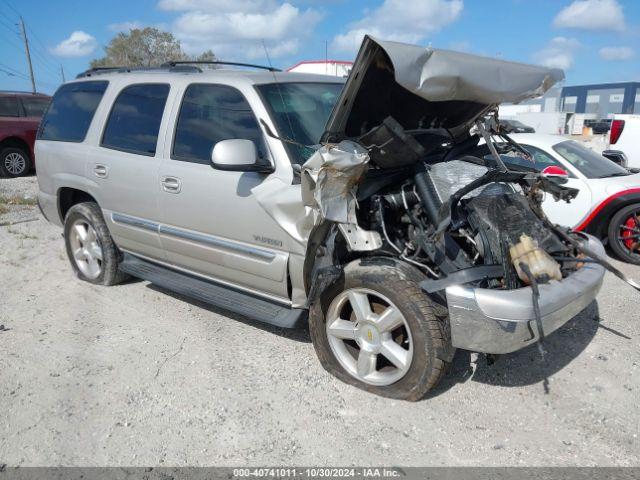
(428, 196)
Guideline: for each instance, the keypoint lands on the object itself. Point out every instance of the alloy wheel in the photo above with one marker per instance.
(630, 234)
(86, 248)
(369, 336)
(15, 163)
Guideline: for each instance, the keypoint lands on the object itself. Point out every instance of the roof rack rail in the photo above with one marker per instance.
(174, 63)
(99, 70)
(172, 66)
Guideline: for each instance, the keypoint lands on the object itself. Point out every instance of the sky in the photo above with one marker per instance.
(594, 41)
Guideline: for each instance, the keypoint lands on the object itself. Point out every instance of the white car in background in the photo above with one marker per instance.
(608, 205)
(624, 135)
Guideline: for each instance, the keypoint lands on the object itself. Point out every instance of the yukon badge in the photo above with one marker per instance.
(267, 240)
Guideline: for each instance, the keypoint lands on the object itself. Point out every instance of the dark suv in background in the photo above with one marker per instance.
(20, 114)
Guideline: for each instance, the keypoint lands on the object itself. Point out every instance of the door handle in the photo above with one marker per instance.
(171, 184)
(100, 170)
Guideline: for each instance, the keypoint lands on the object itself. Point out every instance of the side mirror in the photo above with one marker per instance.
(616, 156)
(556, 173)
(237, 155)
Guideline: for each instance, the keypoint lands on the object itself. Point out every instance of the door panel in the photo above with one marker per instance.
(569, 214)
(128, 197)
(125, 168)
(211, 223)
(210, 227)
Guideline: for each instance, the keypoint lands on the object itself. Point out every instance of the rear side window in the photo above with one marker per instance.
(35, 107)
(134, 122)
(9, 107)
(71, 111)
(209, 114)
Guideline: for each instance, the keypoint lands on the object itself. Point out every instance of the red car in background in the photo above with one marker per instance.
(20, 114)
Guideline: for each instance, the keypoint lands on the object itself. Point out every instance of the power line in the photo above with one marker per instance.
(12, 42)
(6, 2)
(40, 52)
(8, 25)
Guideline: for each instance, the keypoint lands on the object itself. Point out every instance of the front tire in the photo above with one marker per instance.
(377, 330)
(14, 162)
(90, 248)
(624, 234)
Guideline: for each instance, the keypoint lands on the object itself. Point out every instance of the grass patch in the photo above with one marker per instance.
(22, 236)
(17, 200)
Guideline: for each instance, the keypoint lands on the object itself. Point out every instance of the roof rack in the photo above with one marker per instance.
(216, 62)
(98, 70)
(172, 66)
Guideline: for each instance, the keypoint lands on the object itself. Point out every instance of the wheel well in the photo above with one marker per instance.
(68, 197)
(15, 142)
(599, 226)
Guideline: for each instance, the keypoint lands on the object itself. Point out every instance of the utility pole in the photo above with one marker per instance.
(26, 48)
(62, 73)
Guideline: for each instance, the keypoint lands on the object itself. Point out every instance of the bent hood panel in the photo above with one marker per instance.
(428, 88)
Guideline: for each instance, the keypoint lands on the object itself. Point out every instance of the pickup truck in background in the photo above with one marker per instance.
(20, 114)
(625, 136)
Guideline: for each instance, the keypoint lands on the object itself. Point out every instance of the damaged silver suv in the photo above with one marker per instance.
(370, 208)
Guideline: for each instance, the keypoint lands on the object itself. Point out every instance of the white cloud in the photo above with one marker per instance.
(591, 15)
(402, 21)
(213, 6)
(616, 53)
(78, 44)
(125, 26)
(558, 53)
(236, 29)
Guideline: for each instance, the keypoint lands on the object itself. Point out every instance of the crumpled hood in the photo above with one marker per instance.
(428, 88)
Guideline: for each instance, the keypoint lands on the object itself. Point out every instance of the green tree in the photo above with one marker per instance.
(207, 56)
(146, 47)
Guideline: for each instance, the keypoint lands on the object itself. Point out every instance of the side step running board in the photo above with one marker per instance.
(244, 304)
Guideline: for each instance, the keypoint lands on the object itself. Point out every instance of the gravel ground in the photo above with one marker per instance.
(134, 375)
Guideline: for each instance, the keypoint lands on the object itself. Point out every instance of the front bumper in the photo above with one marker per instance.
(503, 321)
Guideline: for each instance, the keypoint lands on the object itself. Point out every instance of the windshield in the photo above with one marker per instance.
(300, 112)
(590, 163)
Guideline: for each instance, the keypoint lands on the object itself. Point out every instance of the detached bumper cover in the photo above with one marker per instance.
(503, 321)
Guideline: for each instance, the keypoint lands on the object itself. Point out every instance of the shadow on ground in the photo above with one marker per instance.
(527, 366)
(296, 334)
(521, 368)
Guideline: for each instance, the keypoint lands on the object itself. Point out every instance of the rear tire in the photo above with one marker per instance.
(421, 335)
(14, 162)
(92, 252)
(624, 234)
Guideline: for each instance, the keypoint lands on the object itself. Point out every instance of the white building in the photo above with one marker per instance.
(336, 68)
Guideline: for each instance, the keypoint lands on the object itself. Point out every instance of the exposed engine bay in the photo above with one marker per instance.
(459, 220)
(401, 173)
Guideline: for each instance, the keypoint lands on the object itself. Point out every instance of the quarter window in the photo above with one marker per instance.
(209, 114)
(71, 111)
(35, 107)
(134, 121)
(9, 107)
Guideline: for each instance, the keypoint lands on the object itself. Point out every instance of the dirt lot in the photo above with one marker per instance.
(133, 375)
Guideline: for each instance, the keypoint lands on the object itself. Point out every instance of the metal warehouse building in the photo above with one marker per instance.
(567, 109)
(599, 101)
